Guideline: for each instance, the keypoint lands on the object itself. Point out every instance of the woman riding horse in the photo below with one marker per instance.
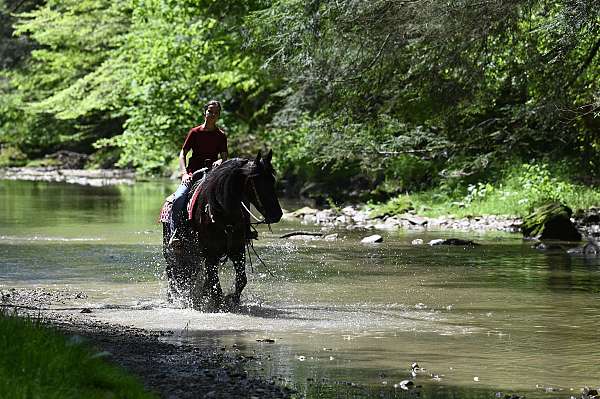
(207, 142)
(219, 225)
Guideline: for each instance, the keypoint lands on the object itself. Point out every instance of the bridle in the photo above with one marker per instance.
(259, 204)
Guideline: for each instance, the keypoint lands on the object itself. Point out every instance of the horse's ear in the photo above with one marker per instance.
(257, 160)
(269, 156)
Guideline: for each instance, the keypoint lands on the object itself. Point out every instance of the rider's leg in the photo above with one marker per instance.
(178, 210)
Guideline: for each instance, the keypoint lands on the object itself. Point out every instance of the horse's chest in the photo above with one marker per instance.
(217, 240)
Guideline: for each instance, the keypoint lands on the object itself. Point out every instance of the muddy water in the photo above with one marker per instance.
(501, 317)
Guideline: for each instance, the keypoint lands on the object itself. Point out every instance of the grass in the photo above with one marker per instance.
(38, 362)
(514, 194)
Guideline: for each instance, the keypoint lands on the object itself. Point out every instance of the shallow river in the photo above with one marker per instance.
(500, 317)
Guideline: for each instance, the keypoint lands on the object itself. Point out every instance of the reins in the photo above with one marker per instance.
(249, 243)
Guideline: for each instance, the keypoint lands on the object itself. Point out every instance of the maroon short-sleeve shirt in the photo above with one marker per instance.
(205, 145)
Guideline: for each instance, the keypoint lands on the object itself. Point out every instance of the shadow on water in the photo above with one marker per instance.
(572, 272)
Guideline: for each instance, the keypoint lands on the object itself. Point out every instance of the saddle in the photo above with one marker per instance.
(195, 183)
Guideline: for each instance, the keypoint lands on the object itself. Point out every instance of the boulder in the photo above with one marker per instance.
(453, 241)
(591, 249)
(331, 237)
(304, 211)
(415, 220)
(551, 221)
(375, 238)
(69, 159)
(543, 246)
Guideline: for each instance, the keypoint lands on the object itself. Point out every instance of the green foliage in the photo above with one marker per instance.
(478, 192)
(521, 189)
(395, 206)
(539, 184)
(293, 148)
(381, 96)
(11, 156)
(462, 85)
(72, 86)
(37, 362)
(183, 55)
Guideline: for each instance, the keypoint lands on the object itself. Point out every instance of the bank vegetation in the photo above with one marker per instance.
(362, 100)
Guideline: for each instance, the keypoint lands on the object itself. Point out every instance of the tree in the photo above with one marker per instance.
(465, 84)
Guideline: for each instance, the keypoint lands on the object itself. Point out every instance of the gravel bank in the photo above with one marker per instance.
(172, 371)
(356, 218)
(353, 218)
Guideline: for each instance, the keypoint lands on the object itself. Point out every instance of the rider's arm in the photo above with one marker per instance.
(223, 158)
(182, 155)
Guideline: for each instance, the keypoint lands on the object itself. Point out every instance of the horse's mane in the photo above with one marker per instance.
(222, 188)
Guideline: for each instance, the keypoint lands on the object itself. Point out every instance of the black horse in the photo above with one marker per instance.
(219, 229)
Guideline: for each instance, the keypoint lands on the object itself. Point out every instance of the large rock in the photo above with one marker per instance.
(375, 238)
(69, 159)
(304, 211)
(453, 241)
(551, 221)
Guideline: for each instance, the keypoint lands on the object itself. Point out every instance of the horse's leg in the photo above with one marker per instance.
(173, 290)
(239, 263)
(182, 268)
(211, 280)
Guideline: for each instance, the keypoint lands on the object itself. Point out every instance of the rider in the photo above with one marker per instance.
(207, 143)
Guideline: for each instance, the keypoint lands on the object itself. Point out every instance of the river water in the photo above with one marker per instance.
(347, 319)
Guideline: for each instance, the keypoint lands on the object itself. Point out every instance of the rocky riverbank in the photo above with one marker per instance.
(88, 177)
(172, 371)
(356, 217)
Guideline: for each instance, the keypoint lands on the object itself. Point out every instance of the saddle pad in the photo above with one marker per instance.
(165, 210)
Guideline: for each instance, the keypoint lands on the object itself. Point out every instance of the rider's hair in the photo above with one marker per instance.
(213, 102)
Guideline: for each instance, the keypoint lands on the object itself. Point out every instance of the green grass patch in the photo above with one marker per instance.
(38, 362)
(515, 193)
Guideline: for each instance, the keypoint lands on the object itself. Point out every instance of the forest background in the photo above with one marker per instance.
(365, 100)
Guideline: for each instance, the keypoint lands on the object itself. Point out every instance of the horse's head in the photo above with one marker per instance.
(263, 196)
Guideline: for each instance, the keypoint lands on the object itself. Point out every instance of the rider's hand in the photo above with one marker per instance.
(185, 178)
(217, 163)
